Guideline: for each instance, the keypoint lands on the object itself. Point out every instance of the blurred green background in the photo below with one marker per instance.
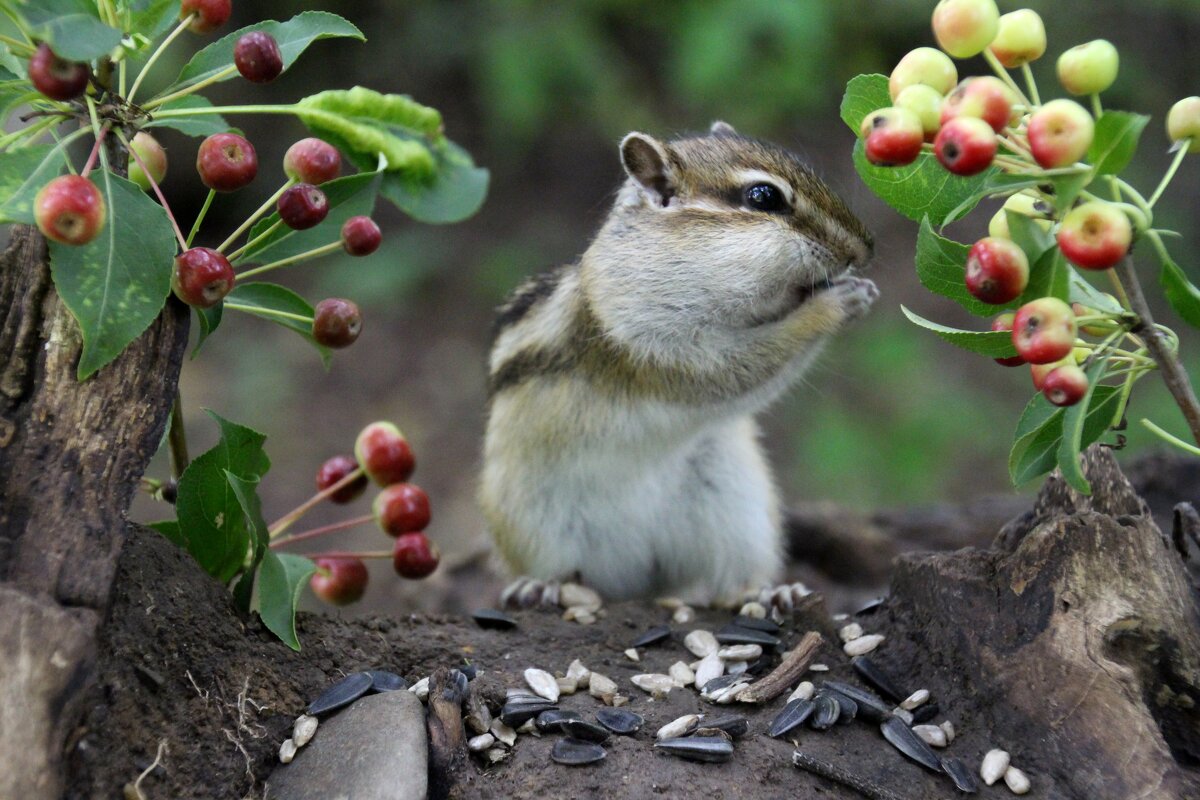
(541, 93)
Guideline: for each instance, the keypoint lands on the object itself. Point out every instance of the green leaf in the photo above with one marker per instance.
(72, 27)
(997, 344)
(1049, 277)
(347, 197)
(10, 66)
(151, 18)
(941, 266)
(864, 94)
(1181, 293)
(116, 284)
(199, 125)
(22, 174)
(1081, 291)
(997, 183)
(1036, 452)
(1115, 141)
(1036, 414)
(281, 578)
(425, 175)
(208, 320)
(1072, 436)
(293, 38)
(170, 529)
(260, 299)
(1030, 235)
(921, 189)
(1067, 189)
(246, 492)
(211, 517)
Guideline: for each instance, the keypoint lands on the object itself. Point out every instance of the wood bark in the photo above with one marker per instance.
(71, 454)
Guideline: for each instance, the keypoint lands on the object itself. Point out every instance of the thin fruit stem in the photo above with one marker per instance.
(1031, 84)
(324, 529)
(352, 554)
(31, 133)
(157, 191)
(999, 69)
(268, 312)
(228, 72)
(1166, 179)
(1170, 438)
(180, 28)
(1097, 106)
(177, 439)
(18, 45)
(253, 218)
(200, 217)
(283, 262)
(287, 520)
(91, 159)
(1123, 399)
(1173, 373)
(236, 254)
(172, 113)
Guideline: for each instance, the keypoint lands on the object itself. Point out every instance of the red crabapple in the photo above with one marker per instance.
(69, 209)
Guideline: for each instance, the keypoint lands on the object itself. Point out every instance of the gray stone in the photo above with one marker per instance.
(375, 749)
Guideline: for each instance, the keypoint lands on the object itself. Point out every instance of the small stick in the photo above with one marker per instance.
(447, 738)
(786, 674)
(840, 776)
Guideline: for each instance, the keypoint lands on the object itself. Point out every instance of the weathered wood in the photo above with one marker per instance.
(447, 737)
(1079, 646)
(71, 454)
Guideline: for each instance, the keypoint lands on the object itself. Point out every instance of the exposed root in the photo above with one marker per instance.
(133, 791)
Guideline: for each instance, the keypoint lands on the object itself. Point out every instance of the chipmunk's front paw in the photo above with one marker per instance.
(854, 295)
(526, 592)
(784, 598)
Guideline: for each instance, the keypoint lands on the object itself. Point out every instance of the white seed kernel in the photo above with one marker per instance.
(993, 766)
(863, 644)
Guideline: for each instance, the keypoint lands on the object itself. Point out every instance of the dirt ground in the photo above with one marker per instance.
(179, 668)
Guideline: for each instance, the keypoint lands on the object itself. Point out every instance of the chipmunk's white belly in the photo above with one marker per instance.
(637, 500)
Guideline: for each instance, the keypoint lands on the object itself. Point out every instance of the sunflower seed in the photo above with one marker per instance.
(904, 716)
(791, 717)
(709, 669)
(915, 699)
(491, 618)
(547, 721)
(420, 688)
(287, 751)
(826, 711)
(574, 752)
(818, 667)
(756, 623)
(1016, 781)
(733, 724)
(477, 744)
(602, 687)
(581, 614)
(736, 667)
(850, 632)
(960, 774)
(908, 743)
(566, 686)
(516, 712)
(384, 681)
(542, 683)
(620, 721)
(849, 708)
(682, 674)
(863, 644)
(633, 655)
(948, 728)
(684, 615)
(529, 726)
(718, 684)
(736, 634)
(680, 726)
(870, 607)
(753, 610)
(503, 733)
(932, 735)
(926, 713)
(701, 643)
(994, 765)
(579, 673)
(303, 729)
(574, 595)
(659, 633)
(582, 729)
(709, 749)
(803, 691)
(871, 707)
(872, 674)
(730, 694)
(496, 755)
(656, 683)
(740, 652)
(342, 693)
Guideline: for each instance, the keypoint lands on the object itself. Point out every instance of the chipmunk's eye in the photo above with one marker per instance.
(765, 197)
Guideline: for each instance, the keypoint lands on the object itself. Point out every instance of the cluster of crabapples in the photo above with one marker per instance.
(983, 121)
(401, 509)
(71, 210)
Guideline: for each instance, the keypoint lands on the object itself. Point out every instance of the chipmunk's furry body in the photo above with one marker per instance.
(621, 446)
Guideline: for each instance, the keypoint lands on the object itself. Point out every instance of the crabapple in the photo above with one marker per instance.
(226, 162)
(893, 137)
(1038, 372)
(414, 556)
(152, 155)
(997, 270)
(339, 580)
(336, 323)
(925, 66)
(1023, 204)
(1095, 235)
(1065, 385)
(1020, 38)
(1004, 322)
(56, 78)
(963, 28)
(302, 206)
(1060, 133)
(361, 236)
(334, 470)
(1183, 122)
(1088, 68)
(202, 277)
(985, 97)
(401, 508)
(312, 160)
(256, 56)
(1044, 330)
(69, 209)
(384, 454)
(965, 145)
(210, 14)
(926, 103)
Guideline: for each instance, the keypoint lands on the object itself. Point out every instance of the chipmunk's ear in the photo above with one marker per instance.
(720, 128)
(646, 161)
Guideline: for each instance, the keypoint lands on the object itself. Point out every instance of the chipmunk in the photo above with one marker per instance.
(621, 447)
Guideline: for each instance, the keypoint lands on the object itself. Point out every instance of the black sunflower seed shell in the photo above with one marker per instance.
(342, 693)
